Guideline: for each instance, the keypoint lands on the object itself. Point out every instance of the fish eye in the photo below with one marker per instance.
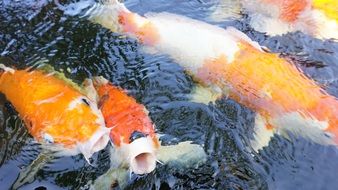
(85, 101)
(136, 135)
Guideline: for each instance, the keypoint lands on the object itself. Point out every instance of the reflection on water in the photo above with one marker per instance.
(31, 30)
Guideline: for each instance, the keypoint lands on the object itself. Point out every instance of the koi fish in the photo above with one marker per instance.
(225, 62)
(178, 157)
(318, 18)
(55, 113)
(136, 147)
(132, 132)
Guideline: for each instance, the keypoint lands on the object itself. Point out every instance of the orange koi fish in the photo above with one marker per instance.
(55, 113)
(318, 18)
(227, 62)
(132, 132)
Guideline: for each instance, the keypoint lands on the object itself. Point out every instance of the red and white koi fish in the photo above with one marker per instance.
(182, 156)
(227, 62)
(132, 132)
(55, 113)
(318, 18)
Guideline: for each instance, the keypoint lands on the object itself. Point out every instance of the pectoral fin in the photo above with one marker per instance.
(202, 94)
(182, 155)
(113, 177)
(263, 132)
(27, 175)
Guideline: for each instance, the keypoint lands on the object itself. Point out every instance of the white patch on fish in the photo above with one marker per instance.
(97, 142)
(106, 14)
(7, 69)
(73, 104)
(48, 138)
(262, 134)
(265, 17)
(49, 100)
(191, 42)
(308, 127)
(258, 7)
(325, 27)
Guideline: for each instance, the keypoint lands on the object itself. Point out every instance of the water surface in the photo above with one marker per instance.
(33, 30)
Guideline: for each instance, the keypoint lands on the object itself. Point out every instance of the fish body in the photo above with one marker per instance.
(275, 17)
(132, 132)
(227, 62)
(55, 114)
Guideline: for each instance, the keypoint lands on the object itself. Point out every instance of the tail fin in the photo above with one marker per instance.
(104, 13)
(107, 14)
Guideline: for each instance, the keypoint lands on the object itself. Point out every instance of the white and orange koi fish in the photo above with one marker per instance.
(136, 147)
(318, 18)
(132, 132)
(55, 113)
(227, 62)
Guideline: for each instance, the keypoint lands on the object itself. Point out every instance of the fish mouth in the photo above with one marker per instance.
(100, 143)
(96, 143)
(142, 157)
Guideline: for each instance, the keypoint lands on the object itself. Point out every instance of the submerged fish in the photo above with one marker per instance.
(132, 132)
(226, 10)
(226, 62)
(318, 18)
(55, 113)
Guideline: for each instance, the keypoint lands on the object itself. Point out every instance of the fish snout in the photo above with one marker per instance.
(142, 156)
(100, 143)
(97, 142)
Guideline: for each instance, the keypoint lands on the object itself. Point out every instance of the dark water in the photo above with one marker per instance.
(32, 30)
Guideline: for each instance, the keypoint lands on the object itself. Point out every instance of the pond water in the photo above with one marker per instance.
(32, 30)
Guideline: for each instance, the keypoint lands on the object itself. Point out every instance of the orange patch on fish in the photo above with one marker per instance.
(45, 104)
(327, 110)
(123, 115)
(146, 32)
(265, 83)
(289, 9)
(271, 86)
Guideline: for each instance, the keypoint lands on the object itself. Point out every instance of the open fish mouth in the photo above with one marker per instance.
(96, 143)
(142, 157)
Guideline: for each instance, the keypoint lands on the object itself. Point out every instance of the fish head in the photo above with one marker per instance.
(134, 134)
(80, 129)
(89, 131)
(132, 131)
